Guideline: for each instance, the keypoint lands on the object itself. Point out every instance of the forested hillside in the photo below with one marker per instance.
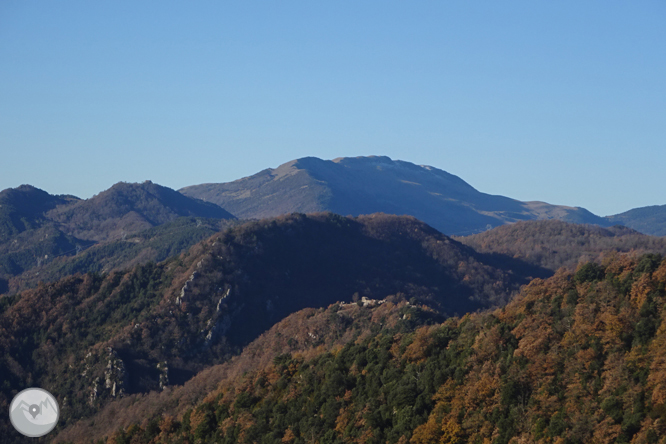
(306, 333)
(127, 208)
(553, 244)
(26, 235)
(577, 358)
(164, 351)
(93, 338)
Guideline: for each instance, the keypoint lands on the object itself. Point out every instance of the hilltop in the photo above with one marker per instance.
(23, 208)
(128, 208)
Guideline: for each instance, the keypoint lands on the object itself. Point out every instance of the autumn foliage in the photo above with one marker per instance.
(577, 358)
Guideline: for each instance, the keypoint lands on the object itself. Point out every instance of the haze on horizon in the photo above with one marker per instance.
(557, 102)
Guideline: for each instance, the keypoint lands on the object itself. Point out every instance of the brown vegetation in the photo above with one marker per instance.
(553, 244)
(576, 358)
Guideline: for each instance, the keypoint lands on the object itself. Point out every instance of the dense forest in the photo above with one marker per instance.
(93, 338)
(553, 244)
(576, 358)
(306, 333)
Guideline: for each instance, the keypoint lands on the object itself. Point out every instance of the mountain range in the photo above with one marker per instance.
(347, 186)
(156, 316)
(101, 337)
(364, 185)
(44, 237)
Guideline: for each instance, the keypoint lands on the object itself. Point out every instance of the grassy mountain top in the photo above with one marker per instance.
(365, 185)
(553, 244)
(577, 358)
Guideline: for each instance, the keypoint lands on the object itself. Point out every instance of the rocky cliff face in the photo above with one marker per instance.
(104, 374)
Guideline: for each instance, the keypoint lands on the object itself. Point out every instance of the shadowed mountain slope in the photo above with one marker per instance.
(24, 208)
(153, 244)
(364, 185)
(40, 233)
(27, 236)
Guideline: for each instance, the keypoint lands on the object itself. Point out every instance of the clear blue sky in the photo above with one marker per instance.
(560, 101)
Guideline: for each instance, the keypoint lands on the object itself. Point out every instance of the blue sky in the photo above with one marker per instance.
(563, 101)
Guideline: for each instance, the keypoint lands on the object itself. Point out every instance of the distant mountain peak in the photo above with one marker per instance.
(372, 184)
(28, 188)
(145, 185)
